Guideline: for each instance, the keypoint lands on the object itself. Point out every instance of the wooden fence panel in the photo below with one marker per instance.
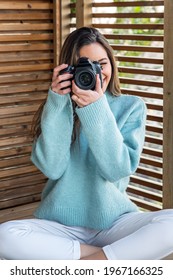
(26, 62)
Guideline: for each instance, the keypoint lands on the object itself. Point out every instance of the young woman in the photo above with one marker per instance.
(88, 143)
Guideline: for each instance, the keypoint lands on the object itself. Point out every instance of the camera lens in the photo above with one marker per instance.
(85, 80)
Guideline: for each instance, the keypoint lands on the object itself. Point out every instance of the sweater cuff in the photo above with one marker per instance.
(95, 113)
(57, 101)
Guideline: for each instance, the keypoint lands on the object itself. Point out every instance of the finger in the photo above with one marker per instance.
(98, 84)
(78, 100)
(57, 70)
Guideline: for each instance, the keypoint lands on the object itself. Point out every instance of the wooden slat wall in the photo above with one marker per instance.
(26, 62)
(138, 46)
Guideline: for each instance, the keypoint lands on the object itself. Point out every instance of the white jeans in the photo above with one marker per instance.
(134, 236)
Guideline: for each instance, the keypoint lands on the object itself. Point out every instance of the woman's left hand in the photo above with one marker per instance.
(86, 97)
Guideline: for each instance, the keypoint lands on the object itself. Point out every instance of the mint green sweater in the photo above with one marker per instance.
(87, 180)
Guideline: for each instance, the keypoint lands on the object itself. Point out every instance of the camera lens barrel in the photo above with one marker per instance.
(85, 79)
(84, 73)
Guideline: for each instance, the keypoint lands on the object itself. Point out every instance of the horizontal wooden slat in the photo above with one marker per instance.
(37, 86)
(137, 59)
(31, 77)
(19, 109)
(152, 162)
(22, 181)
(152, 151)
(148, 83)
(146, 205)
(137, 48)
(151, 95)
(134, 37)
(21, 99)
(18, 212)
(149, 173)
(25, 5)
(129, 3)
(17, 56)
(17, 171)
(20, 67)
(146, 182)
(25, 26)
(144, 193)
(25, 46)
(18, 150)
(25, 15)
(127, 15)
(142, 71)
(153, 139)
(131, 26)
(15, 161)
(22, 37)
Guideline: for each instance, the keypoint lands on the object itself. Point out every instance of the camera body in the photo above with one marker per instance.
(84, 73)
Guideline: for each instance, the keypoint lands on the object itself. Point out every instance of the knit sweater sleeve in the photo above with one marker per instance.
(51, 151)
(116, 149)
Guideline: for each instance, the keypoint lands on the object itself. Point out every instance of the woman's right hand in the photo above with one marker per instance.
(61, 83)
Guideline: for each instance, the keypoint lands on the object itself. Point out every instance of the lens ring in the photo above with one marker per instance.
(85, 79)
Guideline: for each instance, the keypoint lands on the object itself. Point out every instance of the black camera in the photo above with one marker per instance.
(84, 73)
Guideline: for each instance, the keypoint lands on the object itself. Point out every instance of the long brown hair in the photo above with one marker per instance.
(70, 54)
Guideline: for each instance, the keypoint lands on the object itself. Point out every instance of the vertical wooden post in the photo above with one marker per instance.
(56, 30)
(168, 107)
(83, 13)
(61, 19)
(64, 19)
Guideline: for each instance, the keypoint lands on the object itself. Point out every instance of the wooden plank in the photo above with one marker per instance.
(25, 5)
(20, 67)
(25, 89)
(25, 37)
(168, 108)
(146, 182)
(25, 15)
(137, 48)
(14, 151)
(15, 161)
(11, 131)
(17, 171)
(131, 26)
(65, 19)
(130, 3)
(128, 15)
(17, 120)
(20, 99)
(19, 56)
(33, 76)
(142, 71)
(4, 142)
(18, 212)
(148, 83)
(151, 95)
(22, 181)
(20, 201)
(83, 13)
(135, 37)
(19, 110)
(157, 197)
(138, 59)
(25, 26)
(31, 46)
